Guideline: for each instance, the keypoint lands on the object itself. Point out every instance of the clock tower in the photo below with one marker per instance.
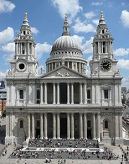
(103, 63)
(24, 63)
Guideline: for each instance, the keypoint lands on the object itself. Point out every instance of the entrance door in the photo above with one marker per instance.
(37, 133)
(89, 134)
(63, 127)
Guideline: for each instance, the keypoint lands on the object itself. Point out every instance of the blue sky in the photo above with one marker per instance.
(46, 18)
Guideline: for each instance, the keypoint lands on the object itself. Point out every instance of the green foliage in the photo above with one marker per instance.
(4, 113)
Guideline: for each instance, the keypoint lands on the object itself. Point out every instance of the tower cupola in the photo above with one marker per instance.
(24, 42)
(103, 40)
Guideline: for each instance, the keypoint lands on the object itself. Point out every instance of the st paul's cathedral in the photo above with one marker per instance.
(64, 102)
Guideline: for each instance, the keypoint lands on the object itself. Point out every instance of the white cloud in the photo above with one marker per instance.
(86, 45)
(8, 52)
(6, 6)
(123, 64)
(41, 49)
(34, 30)
(79, 39)
(95, 21)
(97, 3)
(125, 18)
(121, 52)
(89, 15)
(2, 75)
(83, 27)
(6, 35)
(88, 71)
(10, 48)
(67, 7)
(125, 82)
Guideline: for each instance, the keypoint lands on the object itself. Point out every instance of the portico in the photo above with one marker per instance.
(66, 125)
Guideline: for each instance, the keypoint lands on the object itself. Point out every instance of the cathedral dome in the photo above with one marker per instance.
(65, 42)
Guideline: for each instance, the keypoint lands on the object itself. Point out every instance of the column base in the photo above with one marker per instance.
(10, 140)
(98, 139)
(54, 138)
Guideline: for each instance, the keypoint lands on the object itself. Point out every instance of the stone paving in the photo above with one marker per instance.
(118, 151)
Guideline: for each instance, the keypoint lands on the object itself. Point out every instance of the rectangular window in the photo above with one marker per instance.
(88, 96)
(106, 94)
(21, 94)
(38, 97)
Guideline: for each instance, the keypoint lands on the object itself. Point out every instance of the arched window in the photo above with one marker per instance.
(21, 124)
(106, 124)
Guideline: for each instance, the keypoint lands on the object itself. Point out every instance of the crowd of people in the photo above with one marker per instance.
(77, 143)
(67, 149)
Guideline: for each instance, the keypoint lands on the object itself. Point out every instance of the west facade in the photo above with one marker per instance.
(64, 102)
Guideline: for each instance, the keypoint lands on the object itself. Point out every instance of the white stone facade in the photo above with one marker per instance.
(64, 102)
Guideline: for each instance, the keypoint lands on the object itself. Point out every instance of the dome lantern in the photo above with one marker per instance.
(66, 27)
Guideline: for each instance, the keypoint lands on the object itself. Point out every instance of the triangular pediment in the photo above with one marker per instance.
(62, 72)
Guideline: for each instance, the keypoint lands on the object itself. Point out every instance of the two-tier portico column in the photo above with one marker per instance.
(80, 93)
(41, 126)
(58, 93)
(58, 126)
(41, 93)
(85, 94)
(81, 126)
(68, 93)
(116, 94)
(53, 93)
(28, 125)
(45, 125)
(45, 92)
(34, 94)
(72, 94)
(93, 94)
(85, 125)
(72, 126)
(33, 126)
(97, 94)
(68, 64)
(94, 137)
(98, 126)
(54, 126)
(80, 68)
(68, 126)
